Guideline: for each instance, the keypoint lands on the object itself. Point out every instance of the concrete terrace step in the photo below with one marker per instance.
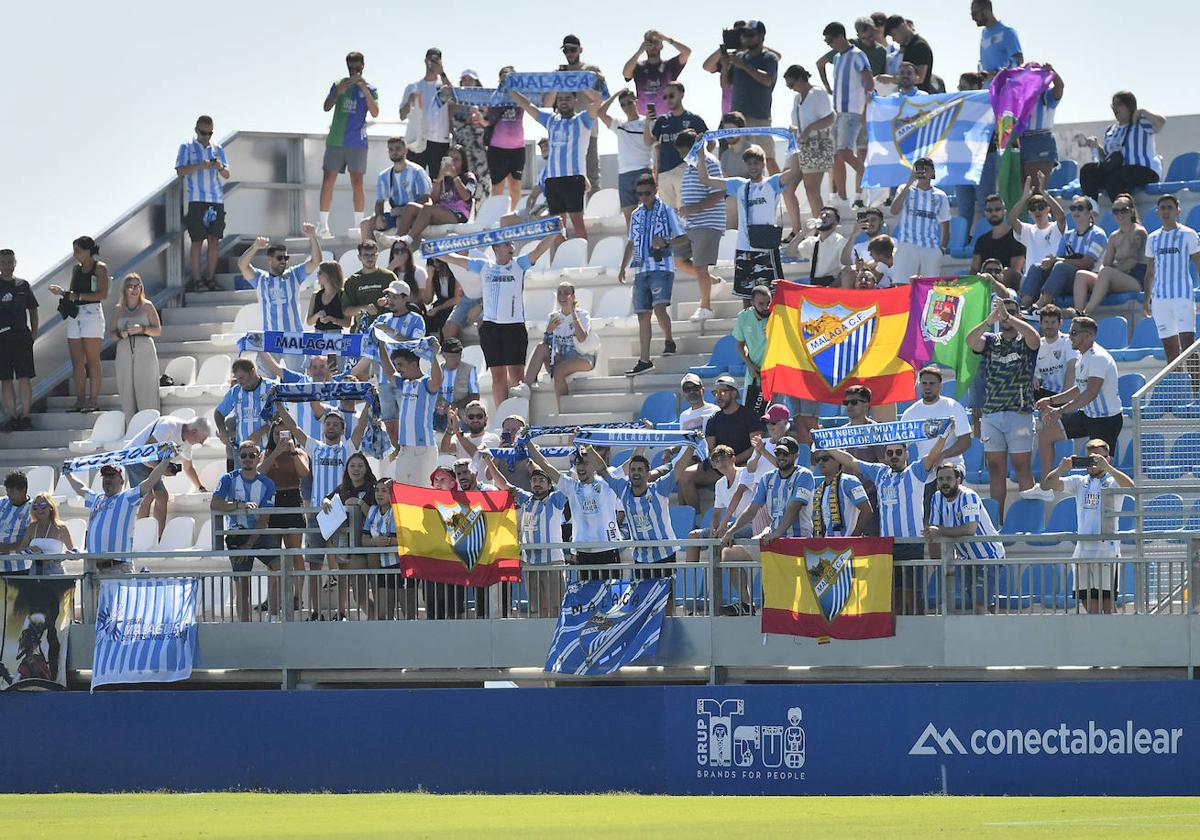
(200, 312)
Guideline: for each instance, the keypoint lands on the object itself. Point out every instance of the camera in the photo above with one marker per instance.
(731, 39)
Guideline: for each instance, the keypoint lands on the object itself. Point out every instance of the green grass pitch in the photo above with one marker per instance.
(244, 815)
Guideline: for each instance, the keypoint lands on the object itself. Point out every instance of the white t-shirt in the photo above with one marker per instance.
(1052, 360)
(696, 418)
(763, 201)
(593, 510)
(436, 123)
(1098, 362)
(829, 253)
(165, 429)
(944, 407)
(1089, 517)
(482, 442)
(1039, 242)
(816, 106)
(724, 493)
(632, 152)
(503, 288)
(562, 337)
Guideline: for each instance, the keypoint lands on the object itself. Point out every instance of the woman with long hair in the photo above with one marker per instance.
(1126, 157)
(288, 467)
(46, 534)
(356, 490)
(82, 308)
(1123, 266)
(567, 327)
(135, 326)
(402, 264)
(440, 294)
(452, 195)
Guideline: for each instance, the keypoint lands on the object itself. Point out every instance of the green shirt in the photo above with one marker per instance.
(751, 330)
(364, 287)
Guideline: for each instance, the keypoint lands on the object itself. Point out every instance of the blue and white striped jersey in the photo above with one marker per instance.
(14, 520)
(849, 94)
(326, 462)
(110, 523)
(660, 221)
(921, 219)
(278, 298)
(1090, 241)
(541, 521)
(851, 494)
(450, 379)
(247, 406)
(1099, 362)
(417, 402)
(202, 184)
(382, 523)
(1136, 142)
(1043, 112)
(1172, 252)
(233, 487)
(569, 138)
(410, 325)
(399, 188)
(503, 288)
(648, 516)
(965, 507)
(774, 493)
(693, 192)
(901, 497)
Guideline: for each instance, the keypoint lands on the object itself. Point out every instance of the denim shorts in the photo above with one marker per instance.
(846, 132)
(462, 309)
(651, 289)
(388, 405)
(627, 187)
(1038, 146)
(1007, 431)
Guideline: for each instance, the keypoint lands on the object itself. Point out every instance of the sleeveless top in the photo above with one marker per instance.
(47, 545)
(333, 309)
(129, 318)
(84, 282)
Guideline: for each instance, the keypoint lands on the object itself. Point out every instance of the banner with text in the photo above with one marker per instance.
(145, 631)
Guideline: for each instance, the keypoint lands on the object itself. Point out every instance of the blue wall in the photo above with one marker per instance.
(827, 739)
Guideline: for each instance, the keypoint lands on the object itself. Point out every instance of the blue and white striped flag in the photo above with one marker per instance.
(607, 624)
(953, 129)
(145, 631)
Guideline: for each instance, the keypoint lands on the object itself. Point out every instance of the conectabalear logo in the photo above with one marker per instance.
(1057, 740)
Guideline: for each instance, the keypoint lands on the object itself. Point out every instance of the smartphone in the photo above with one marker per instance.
(285, 435)
(862, 216)
(446, 162)
(1082, 462)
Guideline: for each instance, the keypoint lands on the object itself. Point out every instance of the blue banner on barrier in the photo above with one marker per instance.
(145, 631)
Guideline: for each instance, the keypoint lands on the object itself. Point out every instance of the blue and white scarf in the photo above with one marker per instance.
(877, 434)
(535, 84)
(513, 233)
(623, 435)
(423, 346)
(320, 392)
(654, 224)
(308, 343)
(481, 96)
(693, 155)
(121, 457)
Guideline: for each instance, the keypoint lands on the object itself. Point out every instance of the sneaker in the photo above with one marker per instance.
(324, 233)
(1037, 492)
(669, 348)
(640, 368)
(12, 425)
(25, 424)
(315, 617)
(701, 314)
(521, 390)
(858, 204)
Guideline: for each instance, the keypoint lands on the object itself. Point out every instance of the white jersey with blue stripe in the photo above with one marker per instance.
(382, 523)
(966, 507)
(1090, 241)
(851, 494)
(1098, 362)
(327, 461)
(849, 93)
(408, 326)
(417, 403)
(1135, 142)
(921, 219)
(110, 523)
(503, 288)
(278, 296)
(247, 406)
(202, 184)
(399, 188)
(233, 487)
(14, 520)
(540, 521)
(659, 221)
(1172, 252)
(901, 497)
(1042, 118)
(569, 137)
(648, 516)
(774, 492)
(694, 192)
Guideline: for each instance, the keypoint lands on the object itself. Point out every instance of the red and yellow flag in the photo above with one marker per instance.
(451, 536)
(821, 341)
(839, 587)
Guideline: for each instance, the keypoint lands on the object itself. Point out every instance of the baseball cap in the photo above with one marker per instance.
(441, 471)
(776, 413)
(469, 74)
(398, 287)
(758, 26)
(726, 381)
(789, 443)
(539, 471)
(109, 469)
(571, 40)
(691, 379)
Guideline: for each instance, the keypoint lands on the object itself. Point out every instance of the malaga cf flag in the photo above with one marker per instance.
(821, 341)
(943, 310)
(839, 587)
(451, 536)
(607, 624)
(952, 129)
(145, 631)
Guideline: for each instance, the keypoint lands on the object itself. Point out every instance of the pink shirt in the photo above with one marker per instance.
(508, 127)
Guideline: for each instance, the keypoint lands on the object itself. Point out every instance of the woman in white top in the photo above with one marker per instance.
(812, 122)
(567, 329)
(46, 534)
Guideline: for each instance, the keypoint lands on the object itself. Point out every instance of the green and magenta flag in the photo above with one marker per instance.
(942, 310)
(1015, 92)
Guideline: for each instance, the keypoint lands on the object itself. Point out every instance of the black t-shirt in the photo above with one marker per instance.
(918, 51)
(733, 430)
(987, 247)
(16, 298)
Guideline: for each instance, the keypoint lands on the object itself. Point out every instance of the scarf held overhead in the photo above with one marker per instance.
(277, 343)
(513, 233)
(693, 155)
(121, 457)
(554, 81)
(320, 392)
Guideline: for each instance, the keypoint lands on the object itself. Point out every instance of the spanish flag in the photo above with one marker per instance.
(467, 539)
(820, 341)
(839, 587)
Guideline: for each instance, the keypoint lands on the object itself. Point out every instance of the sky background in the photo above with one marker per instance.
(98, 97)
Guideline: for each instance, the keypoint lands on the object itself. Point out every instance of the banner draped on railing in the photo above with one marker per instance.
(35, 617)
(693, 154)
(121, 457)
(276, 342)
(320, 392)
(145, 630)
(607, 624)
(431, 248)
(876, 434)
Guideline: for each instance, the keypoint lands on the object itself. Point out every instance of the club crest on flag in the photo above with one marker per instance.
(943, 312)
(918, 131)
(832, 575)
(466, 528)
(837, 337)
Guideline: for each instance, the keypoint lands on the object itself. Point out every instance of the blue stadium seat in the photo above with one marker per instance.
(1150, 221)
(1154, 450)
(683, 520)
(724, 359)
(1193, 520)
(1128, 385)
(1064, 180)
(958, 238)
(705, 521)
(976, 466)
(1107, 222)
(660, 407)
(1182, 174)
(1185, 454)
(993, 509)
(1062, 448)
(1145, 343)
(1193, 217)
(1166, 397)
(982, 228)
(1164, 513)
(1112, 332)
(1125, 462)
(1025, 516)
(1062, 520)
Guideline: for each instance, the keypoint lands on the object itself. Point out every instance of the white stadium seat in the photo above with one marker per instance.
(570, 254)
(138, 423)
(487, 214)
(185, 414)
(178, 535)
(248, 319)
(145, 534)
(350, 262)
(212, 378)
(182, 370)
(40, 478)
(106, 433)
(512, 405)
(608, 253)
(603, 212)
(78, 530)
(615, 306)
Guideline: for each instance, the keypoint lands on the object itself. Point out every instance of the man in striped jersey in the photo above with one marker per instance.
(202, 165)
(400, 323)
(307, 414)
(110, 523)
(278, 287)
(569, 133)
(401, 185)
(703, 212)
(245, 400)
(923, 230)
(958, 512)
(852, 85)
(246, 489)
(786, 494)
(540, 521)
(1170, 299)
(900, 488)
(416, 395)
(840, 505)
(1078, 250)
(14, 520)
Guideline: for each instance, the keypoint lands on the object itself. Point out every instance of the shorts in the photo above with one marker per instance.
(755, 268)
(389, 400)
(569, 354)
(503, 344)
(246, 564)
(286, 499)
(16, 357)
(89, 323)
(803, 408)
(627, 187)
(1173, 317)
(197, 227)
(915, 261)
(646, 571)
(815, 152)
(848, 133)
(431, 158)
(1039, 147)
(766, 141)
(341, 158)
(135, 474)
(703, 246)
(1079, 425)
(1007, 431)
(670, 186)
(597, 558)
(313, 539)
(565, 194)
(461, 312)
(413, 464)
(505, 163)
(652, 289)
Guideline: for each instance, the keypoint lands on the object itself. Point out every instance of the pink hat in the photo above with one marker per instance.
(776, 413)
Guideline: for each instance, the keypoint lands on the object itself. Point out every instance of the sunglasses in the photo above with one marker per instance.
(1079, 208)
(246, 455)
(893, 453)
(41, 506)
(1038, 206)
(476, 416)
(1121, 211)
(820, 459)
(852, 402)
(691, 387)
(283, 258)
